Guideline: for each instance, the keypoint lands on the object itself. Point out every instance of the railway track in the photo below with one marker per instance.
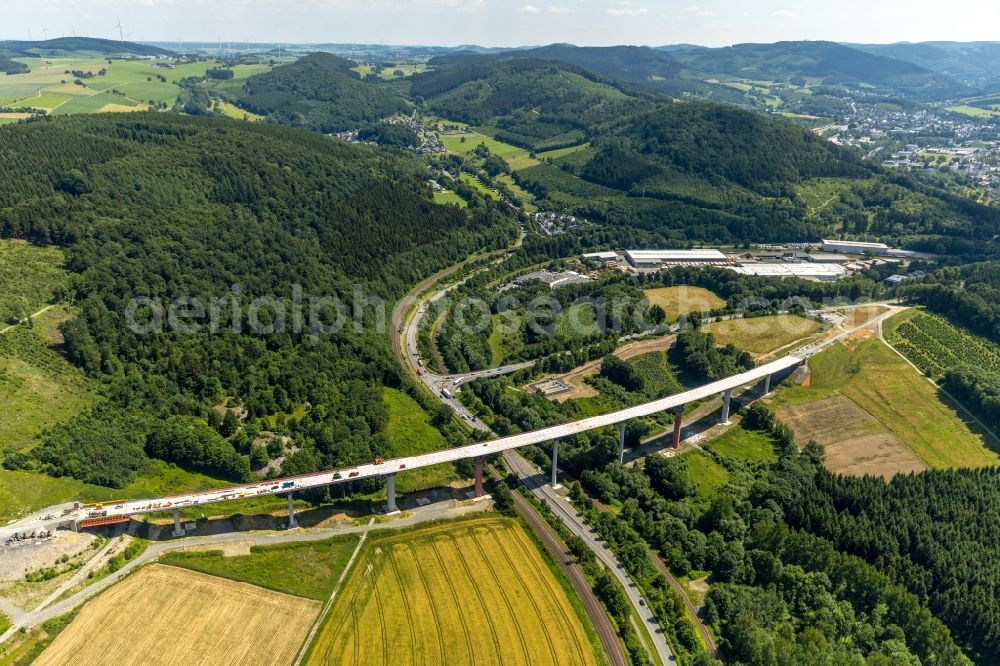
(606, 631)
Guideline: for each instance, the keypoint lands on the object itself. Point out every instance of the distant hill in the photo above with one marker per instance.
(540, 104)
(319, 91)
(67, 45)
(651, 68)
(972, 63)
(666, 171)
(830, 62)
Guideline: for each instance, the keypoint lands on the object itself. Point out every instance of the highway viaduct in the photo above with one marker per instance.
(88, 516)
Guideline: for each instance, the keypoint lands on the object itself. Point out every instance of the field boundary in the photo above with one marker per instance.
(307, 643)
(951, 398)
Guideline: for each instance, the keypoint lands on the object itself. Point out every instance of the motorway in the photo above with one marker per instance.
(535, 480)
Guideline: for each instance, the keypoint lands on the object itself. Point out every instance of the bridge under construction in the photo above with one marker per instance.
(112, 512)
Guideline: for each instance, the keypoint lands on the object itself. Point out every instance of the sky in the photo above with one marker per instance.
(506, 22)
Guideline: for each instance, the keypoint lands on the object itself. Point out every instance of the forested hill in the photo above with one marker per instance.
(320, 92)
(831, 62)
(156, 205)
(638, 65)
(542, 98)
(975, 64)
(67, 45)
(9, 66)
(689, 171)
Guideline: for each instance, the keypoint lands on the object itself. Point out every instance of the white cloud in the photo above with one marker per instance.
(784, 13)
(626, 8)
(530, 9)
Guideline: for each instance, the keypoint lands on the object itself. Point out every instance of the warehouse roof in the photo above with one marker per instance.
(675, 255)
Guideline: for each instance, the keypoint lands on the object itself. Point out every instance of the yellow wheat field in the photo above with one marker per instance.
(164, 615)
(476, 592)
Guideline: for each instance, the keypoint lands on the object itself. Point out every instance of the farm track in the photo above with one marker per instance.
(602, 624)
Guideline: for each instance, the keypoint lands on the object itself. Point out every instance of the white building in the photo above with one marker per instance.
(821, 272)
(855, 247)
(660, 258)
(601, 257)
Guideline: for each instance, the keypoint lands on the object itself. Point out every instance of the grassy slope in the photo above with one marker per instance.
(706, 474)
(743, 445)
(895, 394)
(410, 433)
(38, 388)
(30, 277)
(308, 569)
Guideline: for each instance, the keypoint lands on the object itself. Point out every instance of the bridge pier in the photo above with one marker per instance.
(678, 413)
(390, 493)
(479, 477)
(292, 523)
(621, 442)
(727, 398)
(178, 530)
(767, 384)
(555, 464)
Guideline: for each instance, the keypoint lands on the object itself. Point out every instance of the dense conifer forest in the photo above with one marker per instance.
(162, 206)
(320, 92)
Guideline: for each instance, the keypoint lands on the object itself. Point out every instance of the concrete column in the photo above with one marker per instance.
(178, 530)
(767, 384)
(555, 463)
(292, 523)
(479, 477)
(390, 492)
(621, 442)
(727, 397)
(678, 413)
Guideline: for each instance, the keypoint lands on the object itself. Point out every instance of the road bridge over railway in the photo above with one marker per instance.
(84, 516)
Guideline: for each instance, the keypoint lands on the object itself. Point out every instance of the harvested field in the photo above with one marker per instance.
(763, 335)
(854, 317)
(476, 592)
(855, 443)
(886, 389)
(164, 615)
(676, 301)
(122, 108)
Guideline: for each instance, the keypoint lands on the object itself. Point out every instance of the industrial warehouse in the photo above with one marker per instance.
(656, 259)
(825, 262)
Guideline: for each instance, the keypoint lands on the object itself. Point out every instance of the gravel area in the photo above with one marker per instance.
(17, 559)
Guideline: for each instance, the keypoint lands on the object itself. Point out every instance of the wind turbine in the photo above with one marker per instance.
(45, 33)
(121, 30)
